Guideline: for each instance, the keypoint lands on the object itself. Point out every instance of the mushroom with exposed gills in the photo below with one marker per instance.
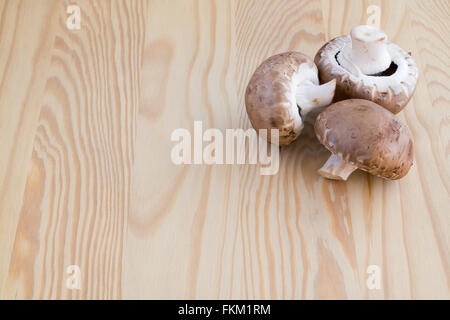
(361, 134)
(282, 91)
(367, 66)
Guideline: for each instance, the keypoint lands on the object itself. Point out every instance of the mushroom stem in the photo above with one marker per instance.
(336, 168)
(368, 52)
(311, 96)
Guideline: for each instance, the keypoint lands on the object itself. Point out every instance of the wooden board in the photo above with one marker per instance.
(86, 176)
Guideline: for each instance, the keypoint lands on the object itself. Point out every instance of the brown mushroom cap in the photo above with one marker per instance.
(272, 96)
(391, 89)
(366, 135)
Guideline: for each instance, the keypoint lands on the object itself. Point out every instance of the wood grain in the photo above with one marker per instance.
(86, 177)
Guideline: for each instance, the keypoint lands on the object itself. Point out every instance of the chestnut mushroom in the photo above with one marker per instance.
(282, 91)
(361, 134)
(367, 66)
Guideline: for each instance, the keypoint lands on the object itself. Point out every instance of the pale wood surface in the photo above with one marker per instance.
(86, 177)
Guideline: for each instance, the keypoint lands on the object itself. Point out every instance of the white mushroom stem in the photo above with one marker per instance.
(368, 52)
(310, 95)
(336, 168)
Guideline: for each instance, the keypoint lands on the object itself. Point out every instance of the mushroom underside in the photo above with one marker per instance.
(368, 68)
(389, 71)
(310, 96)
(283, 90)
